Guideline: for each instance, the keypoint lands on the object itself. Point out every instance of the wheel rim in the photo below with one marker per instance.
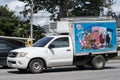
(99, 62)
(36, 66)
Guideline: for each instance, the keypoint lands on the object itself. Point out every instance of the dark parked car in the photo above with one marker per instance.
(5, 46)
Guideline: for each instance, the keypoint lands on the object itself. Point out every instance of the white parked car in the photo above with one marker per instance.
(118, 38)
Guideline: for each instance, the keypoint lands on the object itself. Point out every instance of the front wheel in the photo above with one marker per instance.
(98, 62)
(36, 66)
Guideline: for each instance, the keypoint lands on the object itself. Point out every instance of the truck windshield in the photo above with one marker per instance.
(42, 42)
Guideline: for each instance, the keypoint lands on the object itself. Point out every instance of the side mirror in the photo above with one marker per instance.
(51, 46)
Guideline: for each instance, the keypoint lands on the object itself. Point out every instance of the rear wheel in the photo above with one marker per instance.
(98, 62)
(36, 66)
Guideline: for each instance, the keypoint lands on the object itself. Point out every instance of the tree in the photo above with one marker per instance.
(8, 21)
(67, 8)
(12, 25)
(23, 30)
(88, 7)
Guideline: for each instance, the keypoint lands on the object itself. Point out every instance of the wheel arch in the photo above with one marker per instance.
(103, 55)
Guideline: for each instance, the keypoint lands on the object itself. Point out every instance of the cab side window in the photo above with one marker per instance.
(61, 42)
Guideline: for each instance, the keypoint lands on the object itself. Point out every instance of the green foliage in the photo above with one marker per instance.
(11, 25)
(89, 8)
(8, 21)
(38, 32)
(24, 31)
(68, 8)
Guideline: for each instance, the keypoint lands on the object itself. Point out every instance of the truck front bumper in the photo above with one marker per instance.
(18, 63)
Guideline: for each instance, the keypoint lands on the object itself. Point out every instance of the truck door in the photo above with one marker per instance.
(60, 52)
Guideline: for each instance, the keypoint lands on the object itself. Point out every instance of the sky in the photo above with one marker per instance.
(116, 7)
(41, 18)
(18, 6)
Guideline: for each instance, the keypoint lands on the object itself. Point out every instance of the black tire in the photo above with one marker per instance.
(98, 62)
(23, 70)
(5, 67)
(80, 67)
(36, 66)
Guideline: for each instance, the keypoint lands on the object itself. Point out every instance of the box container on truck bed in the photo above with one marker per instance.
(89, 35)
(94, 37)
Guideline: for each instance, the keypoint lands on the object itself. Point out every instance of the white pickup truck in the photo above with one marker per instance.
(87, 43)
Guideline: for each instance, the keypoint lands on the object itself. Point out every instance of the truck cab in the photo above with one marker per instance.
(59, 50)
(53, 50)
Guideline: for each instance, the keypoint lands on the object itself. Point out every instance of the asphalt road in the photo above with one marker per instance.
(111, 72)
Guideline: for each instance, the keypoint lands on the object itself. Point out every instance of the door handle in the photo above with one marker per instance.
(68, 50)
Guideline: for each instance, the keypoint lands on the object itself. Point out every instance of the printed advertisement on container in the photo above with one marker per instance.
(95, 36)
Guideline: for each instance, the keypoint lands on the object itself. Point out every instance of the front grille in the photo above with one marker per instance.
(2, 60)
(12, 54)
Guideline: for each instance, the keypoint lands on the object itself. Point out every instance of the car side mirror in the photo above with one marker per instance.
(51, 46)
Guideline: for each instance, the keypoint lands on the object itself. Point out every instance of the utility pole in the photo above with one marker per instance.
(31, 20)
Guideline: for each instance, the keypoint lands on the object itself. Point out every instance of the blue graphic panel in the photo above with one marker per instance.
(95, 36)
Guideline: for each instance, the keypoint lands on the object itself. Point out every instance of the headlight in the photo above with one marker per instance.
(22, 54)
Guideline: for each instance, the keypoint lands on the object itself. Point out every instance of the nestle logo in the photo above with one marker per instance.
(79, 27)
